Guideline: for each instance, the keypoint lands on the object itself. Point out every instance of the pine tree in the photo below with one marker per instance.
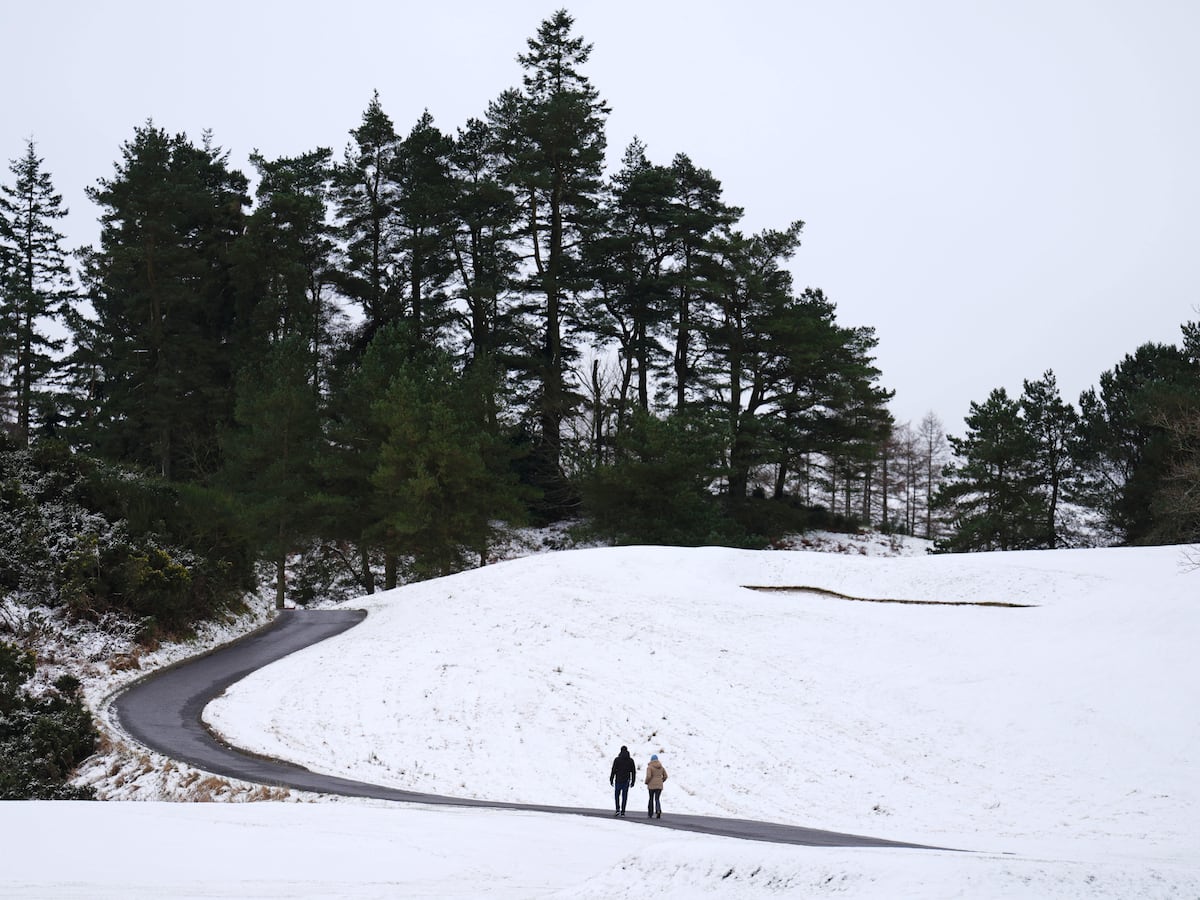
(750, 287)
(35, 283)
(1124, 449)
(698, 216)
(162, 289)
(993, 490)
(350, 509)
(271, 454)
(657, 488)
(285, 259)
(423, 224)
(485, 217)
(552, 134)
(443, 478)
(1052, 426)
(366, 196)
(631, 267)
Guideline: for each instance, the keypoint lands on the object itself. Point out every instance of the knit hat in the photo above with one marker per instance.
(653, 756)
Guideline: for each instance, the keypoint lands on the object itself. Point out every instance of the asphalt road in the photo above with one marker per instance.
(163, 713)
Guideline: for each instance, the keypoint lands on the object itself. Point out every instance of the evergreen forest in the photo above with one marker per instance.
(360, 369)
(343, 372)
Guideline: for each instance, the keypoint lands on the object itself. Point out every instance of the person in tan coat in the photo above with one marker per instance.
(655, 776)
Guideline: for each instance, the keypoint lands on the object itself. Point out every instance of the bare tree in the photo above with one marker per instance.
(934, 449)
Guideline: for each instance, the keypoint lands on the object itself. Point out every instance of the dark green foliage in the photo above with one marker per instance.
(1053, 429)
(348, 508)
(424, 224)
(443, 478)
(485, 215)
(1125, 447)
(631, 266)
(365, 193)
(762, 521)
(272, 453)
(163, 290)
(90, 539)
(282, 262)
(1176, 506)
(475, 270)
(42, 739)
(35, 286)
(994, 492)
(551, 135)
(659, 488)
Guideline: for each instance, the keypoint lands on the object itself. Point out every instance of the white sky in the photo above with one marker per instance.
(998, 187)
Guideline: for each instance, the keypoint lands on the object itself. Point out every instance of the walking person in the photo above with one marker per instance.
(624, 771)
(655, 776)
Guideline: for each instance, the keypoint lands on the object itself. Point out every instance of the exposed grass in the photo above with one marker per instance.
(828, 593)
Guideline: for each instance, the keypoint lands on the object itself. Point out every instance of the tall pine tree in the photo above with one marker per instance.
(993, 490)
(552, 134)
(162, 288)
(366, 195)
(272, 452)
(36, 284)
(1053, 426)
(423, 226)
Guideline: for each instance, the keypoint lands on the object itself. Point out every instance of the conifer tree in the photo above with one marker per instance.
(162, 288)
(1125, 449)
(750, 287)
(552, 134)
(423, 222)
(698, 216)
(485, 218)
(631, 266)
(443, 478)
(271, 453)
(285, 259)
(36, 284)
(350, 510)
(1052, 426)
(993, 490)
(657, 489)
(366, 195)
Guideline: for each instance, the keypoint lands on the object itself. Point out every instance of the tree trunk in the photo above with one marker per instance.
(280, 580)
(391, 569)
(366, 576)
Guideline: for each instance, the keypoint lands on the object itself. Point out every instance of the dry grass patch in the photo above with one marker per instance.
(828, 593)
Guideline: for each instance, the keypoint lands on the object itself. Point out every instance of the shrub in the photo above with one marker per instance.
(42, 739)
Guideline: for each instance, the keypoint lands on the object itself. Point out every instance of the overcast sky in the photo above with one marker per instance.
(998, 187)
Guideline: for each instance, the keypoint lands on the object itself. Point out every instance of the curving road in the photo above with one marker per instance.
(163, 712)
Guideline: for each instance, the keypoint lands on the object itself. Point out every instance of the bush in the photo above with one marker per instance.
(658, 489)
(79, 534)
(42, 739)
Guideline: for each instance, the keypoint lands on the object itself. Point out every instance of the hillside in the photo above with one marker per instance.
(1066, 720)
(1052, 730)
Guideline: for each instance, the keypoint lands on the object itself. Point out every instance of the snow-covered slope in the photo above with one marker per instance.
(1057, 735)
(1068, 722)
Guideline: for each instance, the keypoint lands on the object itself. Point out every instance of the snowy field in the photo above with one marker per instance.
(1054, 732)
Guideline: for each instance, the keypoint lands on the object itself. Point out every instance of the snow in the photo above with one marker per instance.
(1056, 738)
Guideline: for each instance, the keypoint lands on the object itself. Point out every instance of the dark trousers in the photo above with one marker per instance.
(620, 795)
(655, 801)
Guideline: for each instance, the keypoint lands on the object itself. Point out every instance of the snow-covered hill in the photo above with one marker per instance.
(1040, 708)
(1067, 720)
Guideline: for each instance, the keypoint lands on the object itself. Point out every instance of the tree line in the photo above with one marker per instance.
(1123, 467)
(393, 351)
(390, 354)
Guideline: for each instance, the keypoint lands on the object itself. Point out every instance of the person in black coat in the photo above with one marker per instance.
(624, 772)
